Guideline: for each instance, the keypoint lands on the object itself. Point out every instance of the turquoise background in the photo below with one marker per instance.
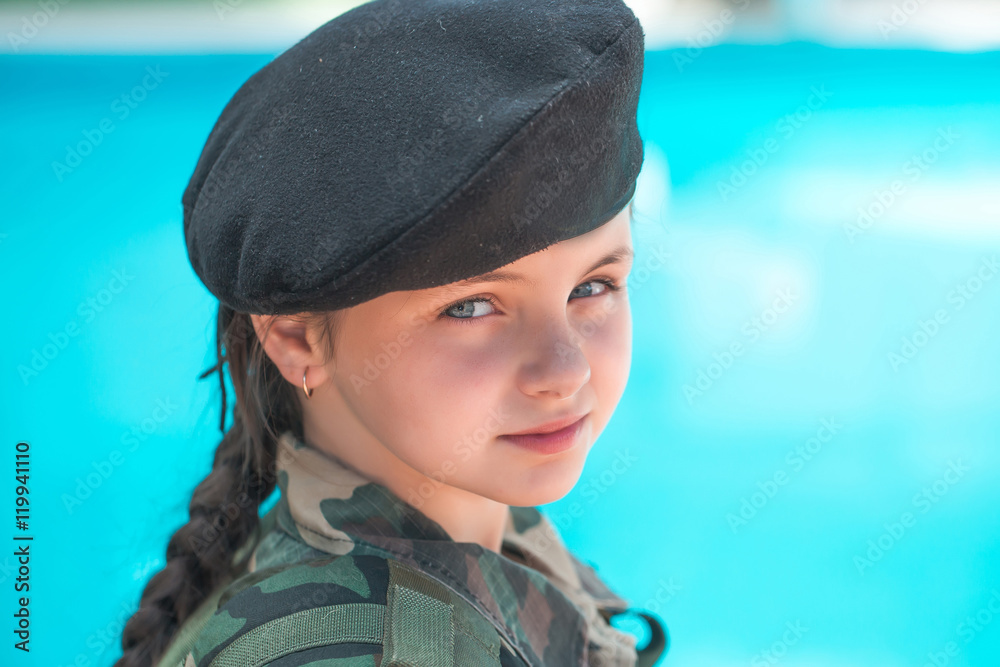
(100, 287)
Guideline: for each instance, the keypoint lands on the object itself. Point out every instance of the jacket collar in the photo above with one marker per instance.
(532, 585)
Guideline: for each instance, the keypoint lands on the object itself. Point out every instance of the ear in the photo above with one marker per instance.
(293, 347)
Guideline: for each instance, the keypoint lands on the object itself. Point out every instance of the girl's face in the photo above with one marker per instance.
(425, 383)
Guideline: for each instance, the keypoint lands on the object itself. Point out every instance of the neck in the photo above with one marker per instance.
(465, 516)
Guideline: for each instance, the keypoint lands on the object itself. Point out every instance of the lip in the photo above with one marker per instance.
(551, 427)
(552, 441)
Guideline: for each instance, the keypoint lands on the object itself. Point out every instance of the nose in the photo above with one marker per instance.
(555, 364)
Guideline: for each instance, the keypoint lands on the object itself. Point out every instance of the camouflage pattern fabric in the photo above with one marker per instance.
(337, 541)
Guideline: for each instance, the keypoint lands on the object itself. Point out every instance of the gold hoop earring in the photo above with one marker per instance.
(305, 387)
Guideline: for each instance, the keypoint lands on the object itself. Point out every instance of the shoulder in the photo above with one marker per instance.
(343, 611)
(327, 609)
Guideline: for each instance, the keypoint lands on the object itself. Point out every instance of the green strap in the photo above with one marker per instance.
(421, 630)
(357, 622)
(427, 624)
(431, 625)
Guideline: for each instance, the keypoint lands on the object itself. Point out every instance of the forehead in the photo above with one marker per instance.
(608, 244)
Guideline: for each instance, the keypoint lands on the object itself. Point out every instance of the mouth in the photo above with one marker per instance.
(550, 438)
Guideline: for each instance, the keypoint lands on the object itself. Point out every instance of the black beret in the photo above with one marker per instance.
(407, 144)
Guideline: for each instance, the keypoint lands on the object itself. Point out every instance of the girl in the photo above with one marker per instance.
(418, 368)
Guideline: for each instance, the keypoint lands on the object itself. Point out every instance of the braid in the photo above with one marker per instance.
(201, 554)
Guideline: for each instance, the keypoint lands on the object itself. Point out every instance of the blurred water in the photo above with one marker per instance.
(766, 316)
(755, 493)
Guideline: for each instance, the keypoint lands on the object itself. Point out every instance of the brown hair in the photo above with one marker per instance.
(200, 554)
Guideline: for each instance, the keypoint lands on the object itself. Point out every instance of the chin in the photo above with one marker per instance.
(540, 488)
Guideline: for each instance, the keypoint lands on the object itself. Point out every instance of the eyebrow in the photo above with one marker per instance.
(620, 254)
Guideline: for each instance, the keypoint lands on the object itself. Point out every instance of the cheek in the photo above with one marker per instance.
(432, 391)
(453, 372)
(609, 352)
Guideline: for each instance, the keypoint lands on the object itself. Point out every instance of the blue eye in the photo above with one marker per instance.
(467, 308)
(466, 312)
(611, 286)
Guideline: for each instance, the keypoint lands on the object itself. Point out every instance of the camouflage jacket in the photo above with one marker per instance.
(342, 556)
